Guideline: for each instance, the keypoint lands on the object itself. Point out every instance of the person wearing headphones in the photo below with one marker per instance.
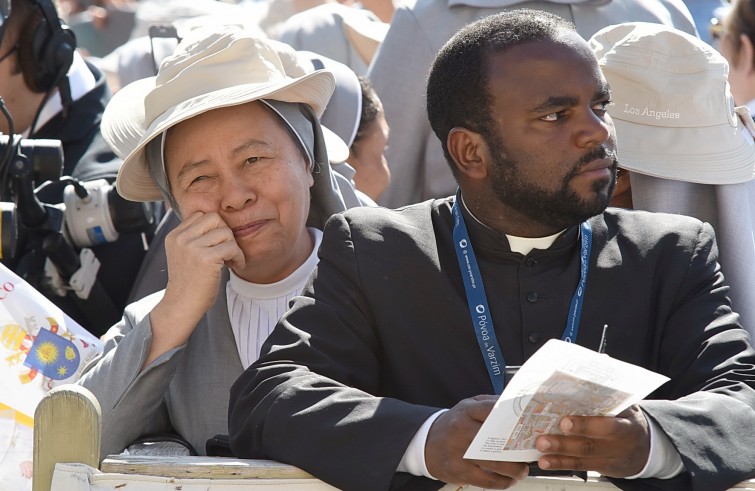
(51, 92)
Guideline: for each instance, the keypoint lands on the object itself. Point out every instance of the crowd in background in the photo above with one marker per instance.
(370, 144)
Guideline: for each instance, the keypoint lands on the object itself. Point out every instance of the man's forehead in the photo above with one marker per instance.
(565, 44)
(543, 68)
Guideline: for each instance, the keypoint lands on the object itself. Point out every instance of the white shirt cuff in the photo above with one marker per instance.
(664, 462)
(413, 460)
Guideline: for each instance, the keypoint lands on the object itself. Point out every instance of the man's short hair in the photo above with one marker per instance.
(457, 86)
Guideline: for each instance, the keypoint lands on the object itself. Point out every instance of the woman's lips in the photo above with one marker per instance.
(249, 229)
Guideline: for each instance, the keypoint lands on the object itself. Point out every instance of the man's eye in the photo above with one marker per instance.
(251, 160)
(602, 107)
(553, 116)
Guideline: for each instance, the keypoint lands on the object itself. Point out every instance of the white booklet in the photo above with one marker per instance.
(560, 379)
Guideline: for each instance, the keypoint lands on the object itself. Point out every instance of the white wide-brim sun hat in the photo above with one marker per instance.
(673, 110)
(209, 69)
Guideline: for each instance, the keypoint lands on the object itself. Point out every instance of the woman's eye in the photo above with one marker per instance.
(252, 160)
(197, 179)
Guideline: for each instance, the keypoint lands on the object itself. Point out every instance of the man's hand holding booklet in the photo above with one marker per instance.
(560, 379)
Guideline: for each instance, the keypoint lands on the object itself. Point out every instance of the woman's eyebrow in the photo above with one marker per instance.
(250, 144)
(189, 166)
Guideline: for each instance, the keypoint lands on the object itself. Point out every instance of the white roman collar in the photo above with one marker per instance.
(522, 245)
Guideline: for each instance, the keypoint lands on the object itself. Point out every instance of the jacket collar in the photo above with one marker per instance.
(85, 113)
(488, 240)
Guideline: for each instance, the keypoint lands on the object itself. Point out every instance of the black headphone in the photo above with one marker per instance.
(46, 48)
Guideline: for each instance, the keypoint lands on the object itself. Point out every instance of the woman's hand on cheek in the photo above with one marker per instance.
(197, 249)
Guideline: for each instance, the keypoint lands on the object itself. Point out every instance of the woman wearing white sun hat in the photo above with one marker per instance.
(235, 146)
(343, 117)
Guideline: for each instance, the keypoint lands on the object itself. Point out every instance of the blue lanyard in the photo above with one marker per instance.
(478, 301)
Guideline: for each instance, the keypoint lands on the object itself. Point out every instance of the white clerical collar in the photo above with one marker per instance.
(288, 284)
(522, 245)
(510, 3)
(81, 79)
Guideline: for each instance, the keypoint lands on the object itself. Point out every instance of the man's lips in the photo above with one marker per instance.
(598, 167)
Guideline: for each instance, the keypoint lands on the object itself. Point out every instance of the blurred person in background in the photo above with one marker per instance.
(140, 57)
(345, 34)
(367, 151)
(703, 13)
(737, 44)
(50, 90)
(100, 25)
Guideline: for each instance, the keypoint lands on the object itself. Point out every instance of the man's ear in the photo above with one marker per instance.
(469, 152)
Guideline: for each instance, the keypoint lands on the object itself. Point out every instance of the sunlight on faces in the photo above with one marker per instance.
(241, 163)
(553, 148)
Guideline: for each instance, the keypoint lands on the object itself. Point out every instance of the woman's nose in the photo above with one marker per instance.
(236, 193)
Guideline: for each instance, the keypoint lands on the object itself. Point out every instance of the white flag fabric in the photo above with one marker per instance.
(40, 348)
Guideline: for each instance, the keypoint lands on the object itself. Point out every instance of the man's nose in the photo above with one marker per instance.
(595, 129)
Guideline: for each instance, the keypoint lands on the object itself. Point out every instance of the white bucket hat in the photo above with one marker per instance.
(672, 107)
(209, 70)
